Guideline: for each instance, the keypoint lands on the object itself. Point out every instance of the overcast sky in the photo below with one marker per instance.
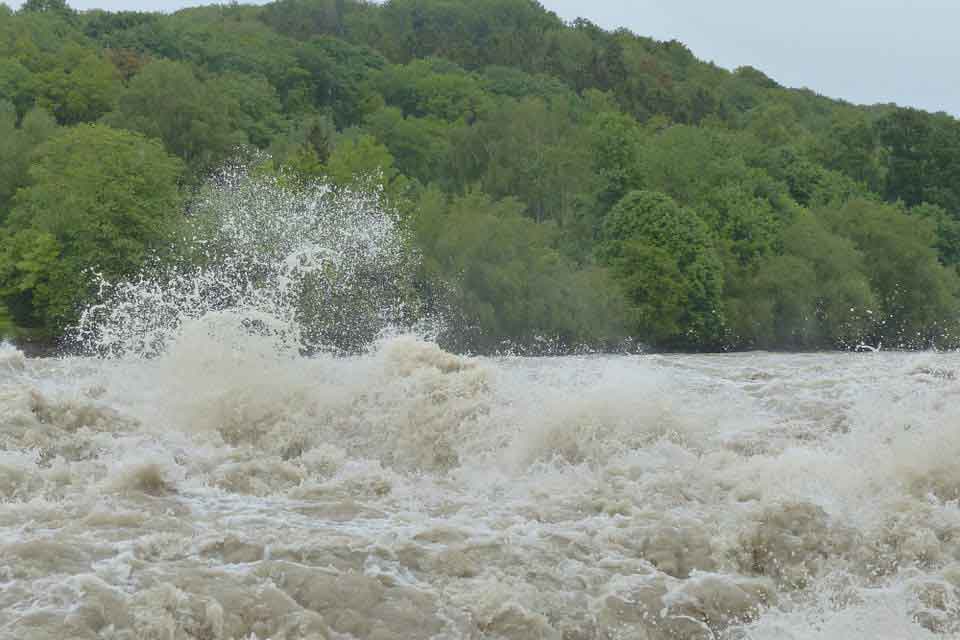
(865, 51)
(903, 51)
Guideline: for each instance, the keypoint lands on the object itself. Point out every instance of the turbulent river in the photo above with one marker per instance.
(216, 493)
(203, 479)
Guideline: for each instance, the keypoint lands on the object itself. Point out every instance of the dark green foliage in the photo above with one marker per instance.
(473, 34)
(947, 232)
(509, 284)
(916, 295)
(922, 158)
(563, 181)
(303, 19)
(16, 145)
(421, 146)
(664, 257)
(813, 293)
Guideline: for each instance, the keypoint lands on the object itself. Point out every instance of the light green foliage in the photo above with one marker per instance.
(432, 88)
(38, 287)
(747, 226)
(715, 173)
(252, 105)
(531, 150)
(689, 163)
(45, 60)
(514, 83)
(79, 85)
(615, 141)
(98, 199)
(194, 121)
(664, 257)
(363, 162)
(7, 327)
(57, 7)
(775, 125)
(15, 84)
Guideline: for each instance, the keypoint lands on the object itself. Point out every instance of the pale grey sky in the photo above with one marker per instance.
(903, 51)
(865, 51)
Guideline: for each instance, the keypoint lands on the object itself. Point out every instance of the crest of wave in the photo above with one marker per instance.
(304, 267)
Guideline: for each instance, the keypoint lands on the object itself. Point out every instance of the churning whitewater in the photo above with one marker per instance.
(205, 476)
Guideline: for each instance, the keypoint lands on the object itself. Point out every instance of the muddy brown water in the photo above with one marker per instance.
(222, 493)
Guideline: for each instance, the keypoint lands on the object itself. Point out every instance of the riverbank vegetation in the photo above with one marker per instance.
(561, 181)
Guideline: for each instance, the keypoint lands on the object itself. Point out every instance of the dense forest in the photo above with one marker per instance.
(561, 180)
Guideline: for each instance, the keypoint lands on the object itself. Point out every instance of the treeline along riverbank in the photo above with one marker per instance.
(559, 182)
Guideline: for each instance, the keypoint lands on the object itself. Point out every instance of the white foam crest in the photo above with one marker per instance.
(12, 360)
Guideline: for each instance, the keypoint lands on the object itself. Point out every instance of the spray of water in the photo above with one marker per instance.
(311, 266)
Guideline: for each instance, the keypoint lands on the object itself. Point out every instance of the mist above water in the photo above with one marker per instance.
(228, 473)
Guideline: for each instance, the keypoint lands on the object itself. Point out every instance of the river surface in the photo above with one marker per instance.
(223, 491)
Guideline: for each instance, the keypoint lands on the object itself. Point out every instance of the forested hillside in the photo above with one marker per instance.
(560, 180)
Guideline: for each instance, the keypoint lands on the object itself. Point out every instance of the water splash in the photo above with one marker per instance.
(308, 266)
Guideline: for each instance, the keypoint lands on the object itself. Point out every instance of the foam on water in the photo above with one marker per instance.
(230, 487)
(408, 493)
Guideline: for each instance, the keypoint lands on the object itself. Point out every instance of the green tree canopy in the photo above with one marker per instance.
(80, 85)
(16, 146)
(767, 216)
(815, 293)
(98, 199)
(167, 100)
(916, 294)
(508, 281)
(664, 257)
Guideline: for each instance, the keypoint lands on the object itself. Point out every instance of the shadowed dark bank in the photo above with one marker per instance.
(33, 348)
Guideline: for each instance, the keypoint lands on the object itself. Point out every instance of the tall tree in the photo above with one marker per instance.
(98, 199)
(664, 258)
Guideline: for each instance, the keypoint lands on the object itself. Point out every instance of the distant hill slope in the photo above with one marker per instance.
(614, 186)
